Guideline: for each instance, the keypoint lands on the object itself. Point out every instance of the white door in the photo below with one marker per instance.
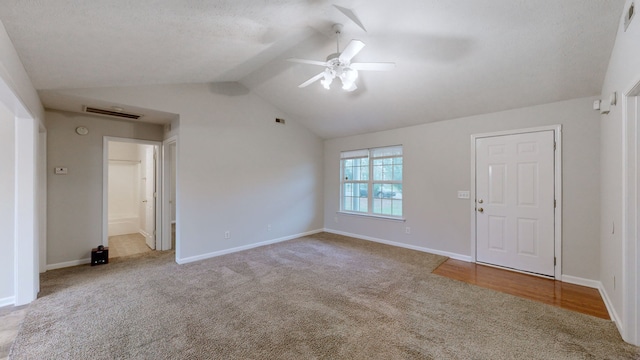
(149, 200)
(515, 201)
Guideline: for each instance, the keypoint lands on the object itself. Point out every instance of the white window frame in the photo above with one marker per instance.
(367, 153)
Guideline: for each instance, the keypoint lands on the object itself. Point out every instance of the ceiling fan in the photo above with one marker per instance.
(338, 65)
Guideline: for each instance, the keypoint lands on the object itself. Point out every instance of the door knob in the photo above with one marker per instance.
(480, 201)
(144, 200)
(480, 210)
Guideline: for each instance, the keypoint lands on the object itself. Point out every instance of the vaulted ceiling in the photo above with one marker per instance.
(453, 58)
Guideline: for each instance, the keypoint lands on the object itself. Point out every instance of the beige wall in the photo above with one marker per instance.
(238, 170)
(437, 164)
(74, 206)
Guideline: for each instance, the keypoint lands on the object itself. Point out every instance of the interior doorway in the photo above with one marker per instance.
(131, 190)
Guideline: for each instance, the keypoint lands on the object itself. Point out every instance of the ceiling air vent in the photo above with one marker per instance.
(111, 113)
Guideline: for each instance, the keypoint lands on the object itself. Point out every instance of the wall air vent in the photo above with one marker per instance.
(111, 113)
(628, 16)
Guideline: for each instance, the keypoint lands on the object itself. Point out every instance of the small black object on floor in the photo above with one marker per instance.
(99, 255)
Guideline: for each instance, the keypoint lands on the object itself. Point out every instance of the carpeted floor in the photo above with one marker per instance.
(318, 297)
(125, 245)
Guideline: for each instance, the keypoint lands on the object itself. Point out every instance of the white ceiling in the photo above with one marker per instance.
(454, 58)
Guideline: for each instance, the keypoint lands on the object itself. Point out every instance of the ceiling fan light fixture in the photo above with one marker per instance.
(339, 65)
(348, 86)
(348, 77)
(326, 82)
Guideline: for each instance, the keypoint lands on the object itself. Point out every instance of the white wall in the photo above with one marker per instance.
(7, 204)
(437, 165)
(13, 73)
(74, 206)
(124, 188)
(238, 170)
(172, 187)
(623, 73)
(19, 277)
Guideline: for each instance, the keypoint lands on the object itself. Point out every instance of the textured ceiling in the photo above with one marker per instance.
(454, 58)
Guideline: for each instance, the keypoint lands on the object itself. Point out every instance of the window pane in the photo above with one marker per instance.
(348, 173)
(355, 171)
(387, 172)
(396, 207)
(352, 199)
(382, 190)
(397, 172)
(397, 188)
(364, 172)
(363, 190)
(373, 184)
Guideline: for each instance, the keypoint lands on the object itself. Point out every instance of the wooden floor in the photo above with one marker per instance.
(561, 294)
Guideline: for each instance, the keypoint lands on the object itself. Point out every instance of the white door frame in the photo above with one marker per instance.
(28, 199)
(166, 184)
(557, 131)
(630, 327)
(105, 185)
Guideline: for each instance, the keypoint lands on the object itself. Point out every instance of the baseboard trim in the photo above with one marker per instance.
(609, 304)
(594, 284)
(402, 245)
(8, 301)
(68, 264)
(245, 247)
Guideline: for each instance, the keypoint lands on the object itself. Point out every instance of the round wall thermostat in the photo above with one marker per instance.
(81, 130)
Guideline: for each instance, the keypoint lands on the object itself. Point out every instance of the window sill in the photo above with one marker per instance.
(381, 217)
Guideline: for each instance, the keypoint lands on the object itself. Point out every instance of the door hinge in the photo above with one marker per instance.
(554, 145)
(554, 261)
(555, 203)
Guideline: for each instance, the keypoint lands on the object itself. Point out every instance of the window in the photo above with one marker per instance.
(371, 181)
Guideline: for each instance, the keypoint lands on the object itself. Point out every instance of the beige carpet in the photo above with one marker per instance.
(318, 297)
(126, 245)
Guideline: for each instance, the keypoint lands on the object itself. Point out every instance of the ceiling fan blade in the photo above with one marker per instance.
(351, 15)
(373, 66)
(351, 50)
(309, 62)
(312, 80)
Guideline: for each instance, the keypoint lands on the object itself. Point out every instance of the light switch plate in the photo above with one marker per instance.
(61, 171)
(463, 194)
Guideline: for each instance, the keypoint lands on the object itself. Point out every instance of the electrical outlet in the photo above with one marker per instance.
(407, 230)
(269, 227)
(227, 234)
(60, 171)
(335, 219)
